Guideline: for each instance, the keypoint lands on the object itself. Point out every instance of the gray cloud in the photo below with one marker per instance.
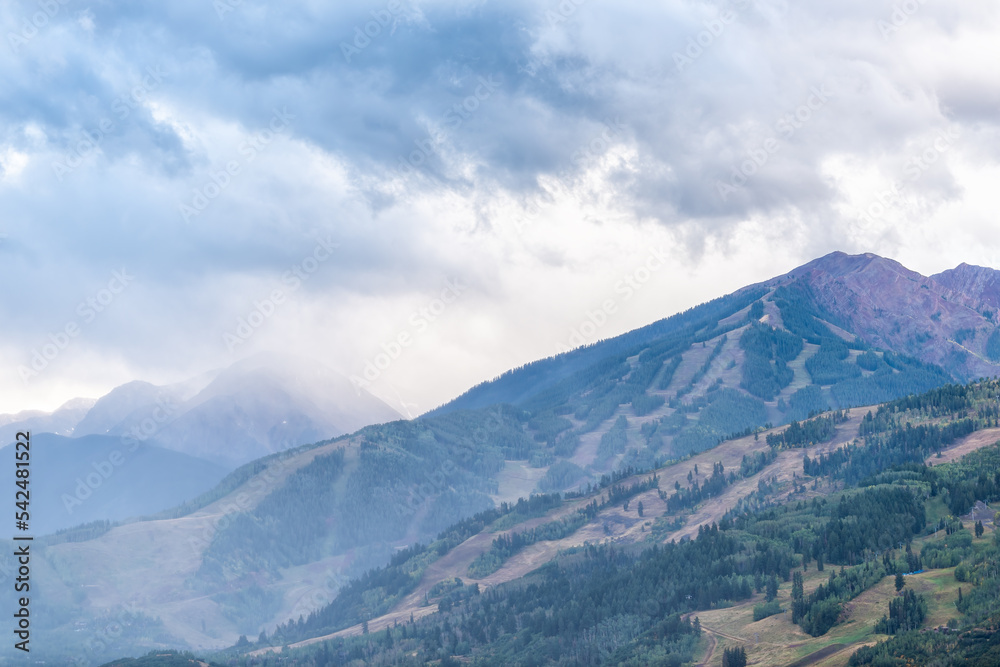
(422, 144)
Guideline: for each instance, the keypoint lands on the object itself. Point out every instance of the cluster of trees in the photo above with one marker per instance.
(705, 367)
(767, 351)
(754, 462)
(668, 372)
(874, 519)
(829, 366)
(728, 412)
(734, 657)
(286, 528)
(805, 402)
(765, 609)
(614, 440)
(507, 545)
(808, 433)
(690, 496)
(901, 376)
(561, 475)
(909, 444)
(906, 613)
(800, 314)
(162, 658)
(599, 604)
(818, 612)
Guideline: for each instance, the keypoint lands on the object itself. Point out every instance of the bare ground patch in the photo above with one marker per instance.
(970, 443)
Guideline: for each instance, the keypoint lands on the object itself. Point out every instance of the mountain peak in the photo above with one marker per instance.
(839, 264)
(977, 287)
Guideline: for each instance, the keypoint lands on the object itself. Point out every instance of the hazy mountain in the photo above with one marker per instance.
(255, 407)
(62, 421)
(79, 480)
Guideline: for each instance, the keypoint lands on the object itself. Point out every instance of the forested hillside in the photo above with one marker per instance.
(852, 544)
(589, 428)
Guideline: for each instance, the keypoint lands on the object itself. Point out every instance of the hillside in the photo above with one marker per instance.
(946, 320)
(823, 533)
(97, 478)
(280, 536)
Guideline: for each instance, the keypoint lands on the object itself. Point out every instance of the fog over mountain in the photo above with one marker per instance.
(255, 407)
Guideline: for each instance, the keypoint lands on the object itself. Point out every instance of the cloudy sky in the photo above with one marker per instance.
(186, 183)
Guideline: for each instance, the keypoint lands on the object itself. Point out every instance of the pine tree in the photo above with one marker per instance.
(900, 582)
(772, 588)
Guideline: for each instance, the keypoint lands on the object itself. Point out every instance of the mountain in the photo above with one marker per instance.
(280, 535)
(976, 286)
(266, 404)
(100, 478)
(947, 319)
(253, 408)
(800, 537)
(62, 421)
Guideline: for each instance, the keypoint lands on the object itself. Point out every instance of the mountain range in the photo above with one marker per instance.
(280, 535)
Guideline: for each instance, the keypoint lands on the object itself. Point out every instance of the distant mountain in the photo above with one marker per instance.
(269, 403)
(62, 421)
(79, 480)
(253, 408)
(947, 320)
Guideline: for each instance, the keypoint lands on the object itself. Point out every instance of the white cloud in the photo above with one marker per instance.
(536, 145)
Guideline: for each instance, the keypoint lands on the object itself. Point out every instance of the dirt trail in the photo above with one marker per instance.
(970, 443)
(712, 643)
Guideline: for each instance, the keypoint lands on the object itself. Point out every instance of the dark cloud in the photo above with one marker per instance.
(697, 117)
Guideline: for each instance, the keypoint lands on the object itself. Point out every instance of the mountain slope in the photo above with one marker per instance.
(975, 286)
(253, 408)
(615, 606)
(938, 320)
(80, 480)
(261, 547)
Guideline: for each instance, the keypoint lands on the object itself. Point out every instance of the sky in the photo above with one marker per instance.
(424, 194)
